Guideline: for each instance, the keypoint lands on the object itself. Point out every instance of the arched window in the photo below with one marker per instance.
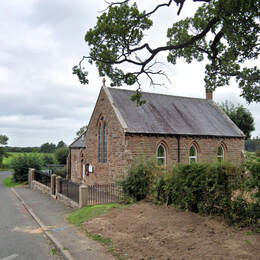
(193, 154)
(220, 153)
(161, 155)
(105, 144)
(102, 141)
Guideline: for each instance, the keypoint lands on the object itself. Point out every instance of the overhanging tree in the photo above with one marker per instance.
(223, 32)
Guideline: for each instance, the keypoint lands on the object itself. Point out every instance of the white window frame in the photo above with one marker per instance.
(193, 156)
(161, 157)
(223, 153)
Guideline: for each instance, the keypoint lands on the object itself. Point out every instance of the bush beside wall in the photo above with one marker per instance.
(138, 183)
(21, 165)
(203, 188)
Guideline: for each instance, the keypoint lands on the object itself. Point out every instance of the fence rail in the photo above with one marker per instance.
(70, 189)
(43, 177)
(96, 194)
(103, 193)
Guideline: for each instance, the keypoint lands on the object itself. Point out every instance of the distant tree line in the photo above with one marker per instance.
(44, 148)
(16, 149)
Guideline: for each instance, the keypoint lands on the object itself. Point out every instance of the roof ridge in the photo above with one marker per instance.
(158, 94)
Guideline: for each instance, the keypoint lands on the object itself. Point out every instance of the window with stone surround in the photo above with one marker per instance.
(102, 141)
(161, 155)
(193, 155)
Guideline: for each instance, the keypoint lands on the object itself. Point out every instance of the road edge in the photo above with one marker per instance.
(66, 254)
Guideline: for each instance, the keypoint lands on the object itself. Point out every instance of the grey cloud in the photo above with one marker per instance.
(40, 41)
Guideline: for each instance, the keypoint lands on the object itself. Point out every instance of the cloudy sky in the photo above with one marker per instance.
(41, 40)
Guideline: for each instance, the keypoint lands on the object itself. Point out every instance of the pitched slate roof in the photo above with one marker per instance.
(79, 142)
(165, 114)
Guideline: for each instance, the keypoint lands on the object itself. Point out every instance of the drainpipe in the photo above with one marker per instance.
(179, 149)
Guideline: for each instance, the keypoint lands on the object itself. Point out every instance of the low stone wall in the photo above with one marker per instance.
(45, 189)
(35, 185)
(67, 201)
(54, 190)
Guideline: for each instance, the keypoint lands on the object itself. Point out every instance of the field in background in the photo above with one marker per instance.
(11, 155)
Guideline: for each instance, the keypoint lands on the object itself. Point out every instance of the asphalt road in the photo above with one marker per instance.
(20, 236)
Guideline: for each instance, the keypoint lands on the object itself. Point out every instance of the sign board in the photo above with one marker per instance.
(90, 168)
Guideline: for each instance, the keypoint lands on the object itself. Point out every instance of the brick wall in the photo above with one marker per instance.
(109, 171)
(207, 147)
(76, 156)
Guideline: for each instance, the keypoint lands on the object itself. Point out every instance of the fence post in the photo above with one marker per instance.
(31, 176)
(53, 182)
(83, 195)
(58, 185)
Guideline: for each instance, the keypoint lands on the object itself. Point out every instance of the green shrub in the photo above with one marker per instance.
(138, 182)
(189, 182)
(253, 181)
(61, 154)
(48, 159)
(21, 165)
(164, 190)
(213, 189)
(60, 171)
(221, 181)
(204, 188)
(243, 212)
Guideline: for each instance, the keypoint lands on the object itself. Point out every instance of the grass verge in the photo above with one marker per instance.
(80, 216)
(4, 169)
(9, 182)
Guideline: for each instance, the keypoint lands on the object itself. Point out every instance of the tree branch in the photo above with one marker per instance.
(185, 44)
(239, 74)
(181, 2)
(213, 46)
(157, 7)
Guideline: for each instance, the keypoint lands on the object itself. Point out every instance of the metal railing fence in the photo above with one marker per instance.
(70, 189)
(104, 193)
(43, 177)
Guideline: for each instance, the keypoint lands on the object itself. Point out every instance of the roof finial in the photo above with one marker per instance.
(104, 82)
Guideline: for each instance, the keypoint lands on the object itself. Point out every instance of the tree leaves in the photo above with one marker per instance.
(241, 116)
(3, 139)
(223, 32)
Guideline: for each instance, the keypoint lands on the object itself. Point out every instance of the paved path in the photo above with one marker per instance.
(20, 236)
(52, 216)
